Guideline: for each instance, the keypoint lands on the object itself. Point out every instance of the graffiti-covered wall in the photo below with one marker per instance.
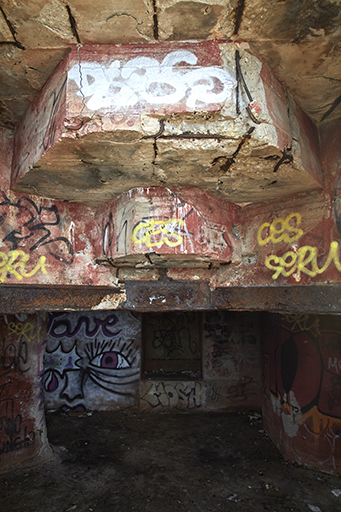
(230, 364)
(22, 423)
(291, 241)
(190, 361)
(232, 360)
(302, 387)
(92, 360)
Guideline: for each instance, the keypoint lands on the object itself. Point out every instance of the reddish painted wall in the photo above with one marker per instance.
(302, 387)
(294, 241)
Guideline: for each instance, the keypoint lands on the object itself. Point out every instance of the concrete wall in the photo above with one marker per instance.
(231, 360)
(230, 369)
(302, 388)
(289, 242)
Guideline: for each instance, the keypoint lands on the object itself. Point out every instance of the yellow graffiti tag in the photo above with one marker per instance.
(15, 263)
(145, 230)
(26, 330)
(321, 424)
(296, 262)
(280, 230)
(301, 322)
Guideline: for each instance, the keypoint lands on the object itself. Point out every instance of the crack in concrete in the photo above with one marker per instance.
(238, 15)
(35, 69)
(81, 81)
(12, 30)
(138, 23)
(13, 43)
(331, 78)
(335, 104)
(73, 24)
(155, 21)
(187, 135)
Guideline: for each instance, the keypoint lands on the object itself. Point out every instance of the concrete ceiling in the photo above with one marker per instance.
(298, 39)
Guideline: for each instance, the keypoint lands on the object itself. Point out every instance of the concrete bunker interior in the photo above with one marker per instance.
(177, 161)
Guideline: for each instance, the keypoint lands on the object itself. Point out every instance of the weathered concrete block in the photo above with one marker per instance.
(40, 24)
(125, 21)
(161, 227)
(22, 421)
(180, 114)
(18, 91)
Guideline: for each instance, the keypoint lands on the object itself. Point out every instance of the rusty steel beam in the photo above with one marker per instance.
(280, 299)
(170, 296)
(27, 299)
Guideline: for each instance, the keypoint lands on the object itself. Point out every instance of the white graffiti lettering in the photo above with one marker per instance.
(336, 364)
(145, 80)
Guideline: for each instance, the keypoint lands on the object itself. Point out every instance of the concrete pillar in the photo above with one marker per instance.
(23, 437)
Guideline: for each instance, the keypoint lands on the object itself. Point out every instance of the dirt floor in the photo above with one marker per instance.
(123, 461)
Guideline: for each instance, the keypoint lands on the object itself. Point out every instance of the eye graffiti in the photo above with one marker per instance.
(90, 352)
(110, 360)
(109, 364)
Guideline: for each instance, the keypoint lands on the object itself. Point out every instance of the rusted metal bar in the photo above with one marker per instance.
(170, 296)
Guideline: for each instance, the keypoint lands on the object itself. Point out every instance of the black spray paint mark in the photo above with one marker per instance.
(36, 222)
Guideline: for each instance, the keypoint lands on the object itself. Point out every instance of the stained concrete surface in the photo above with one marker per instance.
(121, 461)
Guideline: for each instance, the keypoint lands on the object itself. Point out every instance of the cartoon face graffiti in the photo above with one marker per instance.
(92, 361)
